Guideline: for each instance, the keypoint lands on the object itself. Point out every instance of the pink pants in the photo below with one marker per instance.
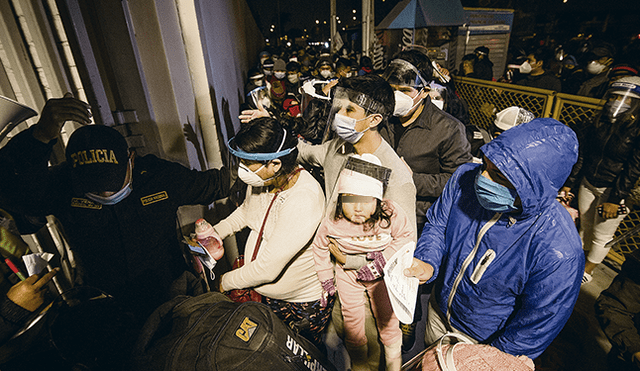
(353, 304)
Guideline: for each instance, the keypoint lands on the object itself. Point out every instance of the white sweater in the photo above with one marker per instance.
(284, 268)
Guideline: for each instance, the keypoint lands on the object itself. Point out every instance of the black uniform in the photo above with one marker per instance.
(129, 250)
(433, 146)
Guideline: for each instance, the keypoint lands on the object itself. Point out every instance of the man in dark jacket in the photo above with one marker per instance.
(599, 63)
(535, 72)
(118, 211)
(505, 255)
(431, 142)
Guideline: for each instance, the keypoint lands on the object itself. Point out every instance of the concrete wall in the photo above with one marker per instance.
(231, 42)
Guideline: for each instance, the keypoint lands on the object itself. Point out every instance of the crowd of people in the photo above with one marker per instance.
(343, 166)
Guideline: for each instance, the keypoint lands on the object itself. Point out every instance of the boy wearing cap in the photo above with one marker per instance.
(118, 210)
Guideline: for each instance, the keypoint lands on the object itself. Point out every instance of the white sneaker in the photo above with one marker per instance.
(586, 278)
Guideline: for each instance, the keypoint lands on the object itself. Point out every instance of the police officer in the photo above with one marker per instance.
(118, 210)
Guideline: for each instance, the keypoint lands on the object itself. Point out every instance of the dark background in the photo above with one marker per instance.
(542, 19)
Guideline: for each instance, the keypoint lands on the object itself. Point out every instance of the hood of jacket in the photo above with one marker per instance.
(537, 158)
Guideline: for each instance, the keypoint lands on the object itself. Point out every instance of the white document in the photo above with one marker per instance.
(403, 290)
(36, 262)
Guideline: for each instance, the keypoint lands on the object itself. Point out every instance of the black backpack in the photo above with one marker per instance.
(210, 332)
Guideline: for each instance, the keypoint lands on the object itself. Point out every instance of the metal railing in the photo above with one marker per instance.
(485, 98)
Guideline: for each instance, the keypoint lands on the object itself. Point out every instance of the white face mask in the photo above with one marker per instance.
(595, 67)
(525, 68)
(325, 73)
(257, 82)
(438, 103)
(250, 177)
(345, 127)
(348, 75)
(265, 102)
(404, 103)
(293, 78)
(280, 75)
(267, 72)
(116, 197)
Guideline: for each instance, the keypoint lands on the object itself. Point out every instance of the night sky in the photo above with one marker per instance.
(564, 17)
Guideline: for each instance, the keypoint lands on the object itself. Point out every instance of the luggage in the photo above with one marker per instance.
(209, 332)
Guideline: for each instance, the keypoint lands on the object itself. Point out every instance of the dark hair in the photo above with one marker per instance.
(264, 135)
(376, 88)
(382, 214)
(470, 57)
(293, 67)
(366, 62)
(343, 63)
(543, 54)
(419, 60)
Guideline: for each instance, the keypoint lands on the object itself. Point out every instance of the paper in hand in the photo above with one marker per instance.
(403, 290)
(36, 262)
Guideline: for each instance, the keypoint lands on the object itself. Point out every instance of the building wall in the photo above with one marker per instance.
(231, 42)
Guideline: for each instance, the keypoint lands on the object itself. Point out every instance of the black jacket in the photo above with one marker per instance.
(12, 318)
(129, 250)
(618, 309)
(609, 157)
(545, 81)
(433, 146)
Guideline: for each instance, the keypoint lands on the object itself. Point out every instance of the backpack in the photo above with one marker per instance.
(209, 332)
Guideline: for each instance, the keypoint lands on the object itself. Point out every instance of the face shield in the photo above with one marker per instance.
(259, 95)
(310, 90)
(362, 178)
(347, 109)
(403, 73)
(12, 113)
(622, 100)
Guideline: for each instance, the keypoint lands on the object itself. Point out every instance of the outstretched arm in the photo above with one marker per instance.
(58, 111)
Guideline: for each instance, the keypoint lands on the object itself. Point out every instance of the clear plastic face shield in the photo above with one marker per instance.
(357, 188)
(348, 108)
(259, 96)
(12, 113)
(310, 90)
(407, 82)
(402, 73)
(622, 102)
(249, 176)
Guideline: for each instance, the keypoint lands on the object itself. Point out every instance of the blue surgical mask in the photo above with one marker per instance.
(345, 127)
(114, 198)
(493, 196)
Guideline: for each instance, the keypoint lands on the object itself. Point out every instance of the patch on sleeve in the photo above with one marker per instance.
(148, 200)
(85, 203)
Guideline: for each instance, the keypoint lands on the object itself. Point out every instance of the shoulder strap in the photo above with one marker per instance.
(449, 364)
(259, 241)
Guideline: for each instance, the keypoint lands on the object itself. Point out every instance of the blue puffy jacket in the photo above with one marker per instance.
(510, 280)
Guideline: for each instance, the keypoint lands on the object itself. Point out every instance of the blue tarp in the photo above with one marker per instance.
(424, 13)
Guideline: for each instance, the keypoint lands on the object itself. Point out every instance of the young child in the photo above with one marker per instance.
(363, 223)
